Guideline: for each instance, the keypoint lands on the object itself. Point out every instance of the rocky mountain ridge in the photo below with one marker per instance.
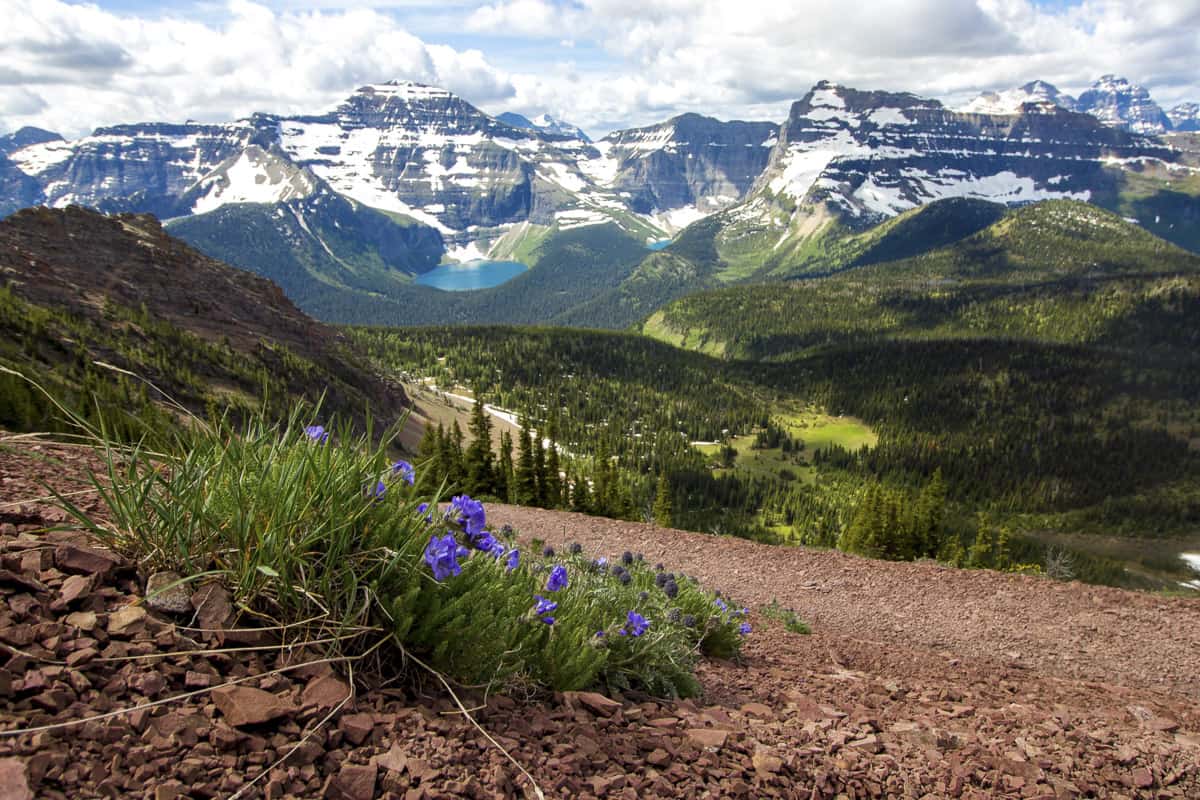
(457, 184)
(1113, 100)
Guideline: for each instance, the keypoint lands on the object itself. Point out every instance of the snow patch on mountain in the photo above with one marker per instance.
(889, 116)
(253, 176)
(1002, 187)
(1185, 117)
(676, 219)
(38, 158)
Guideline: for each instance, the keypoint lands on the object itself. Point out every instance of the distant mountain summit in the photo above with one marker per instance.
(544, 123)
(1117, 102)
(1185, 117)
(1113, 100)
(24, 137)
(1010, 101)
(683, 169)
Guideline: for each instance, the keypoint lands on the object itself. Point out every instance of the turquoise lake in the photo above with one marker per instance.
(659, 245)
(471, 275)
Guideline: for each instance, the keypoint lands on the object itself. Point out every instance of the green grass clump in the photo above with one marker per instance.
(323, 533)
(787, 616)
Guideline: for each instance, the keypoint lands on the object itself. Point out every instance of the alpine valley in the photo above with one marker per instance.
(344, 209)
(883, 325)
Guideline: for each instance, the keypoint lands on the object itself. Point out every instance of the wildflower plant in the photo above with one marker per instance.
(306, 522)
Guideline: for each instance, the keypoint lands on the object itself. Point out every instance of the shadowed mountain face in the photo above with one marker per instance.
(135, 289)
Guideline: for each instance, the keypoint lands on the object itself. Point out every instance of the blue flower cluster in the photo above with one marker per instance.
(317, 433)
(442, 555)
(635, 625)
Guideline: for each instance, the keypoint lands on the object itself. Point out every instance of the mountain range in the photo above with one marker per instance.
(343, 209)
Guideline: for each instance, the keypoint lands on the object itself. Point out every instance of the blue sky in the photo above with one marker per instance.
(603, 64)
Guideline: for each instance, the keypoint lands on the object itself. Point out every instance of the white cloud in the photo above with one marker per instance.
(741, 58)
(637, 61)
(92, 67)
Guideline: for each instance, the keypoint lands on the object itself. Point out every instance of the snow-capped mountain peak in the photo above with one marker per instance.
(544, 123)
(1185, 117)
(1011, 101)
(1117, 102)
(252, 176)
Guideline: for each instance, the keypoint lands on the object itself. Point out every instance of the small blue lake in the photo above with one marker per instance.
(471, 275)
(659, 245)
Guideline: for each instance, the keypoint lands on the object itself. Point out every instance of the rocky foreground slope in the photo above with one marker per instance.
(917, 681)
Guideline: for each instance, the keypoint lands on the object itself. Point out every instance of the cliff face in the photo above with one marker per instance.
(690, 160)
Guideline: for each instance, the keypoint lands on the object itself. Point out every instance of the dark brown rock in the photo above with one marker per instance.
(356, 727)
(324, 692)
(353, 782)
(213, 605)
(72, 557)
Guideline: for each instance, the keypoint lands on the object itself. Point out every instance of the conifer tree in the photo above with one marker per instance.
(504, 468)
(525, 488)
(427, 452)
(480, 471)
(980, 554)
(580, 495)
(662, 502)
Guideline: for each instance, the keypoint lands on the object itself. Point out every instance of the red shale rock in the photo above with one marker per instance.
(244, 705)
(597, 703)
(14, 782)
(71, 557)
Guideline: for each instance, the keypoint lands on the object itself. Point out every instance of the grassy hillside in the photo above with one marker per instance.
(1058, 272)
(721, 251)
(81, 290)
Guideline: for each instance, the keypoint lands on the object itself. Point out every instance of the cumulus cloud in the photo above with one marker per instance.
(743, 58)
(92, 67)
(638, 61)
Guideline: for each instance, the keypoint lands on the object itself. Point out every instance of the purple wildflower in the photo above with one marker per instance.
(744, 628)
(405, 471)
(468, 513)
(543, 606)
(378, 492)
(557, 580)
(442, 554)
(548, 620)
(635, 625)
(514, 558)
(317, 433)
